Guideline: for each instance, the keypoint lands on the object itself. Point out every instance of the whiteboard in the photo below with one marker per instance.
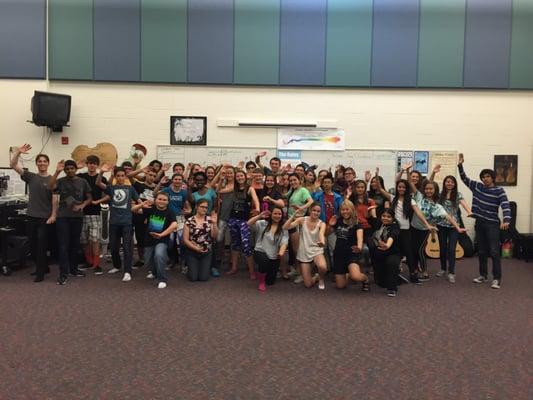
(207, 155)
(359, 160)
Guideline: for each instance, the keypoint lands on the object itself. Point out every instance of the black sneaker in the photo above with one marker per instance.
(77, 274)
(365, 287)
(98, 271)
(39, 279)
(392, 293)
(402, 279)
(138, 264)
(414, 279)
(423, 278)
(62, 280)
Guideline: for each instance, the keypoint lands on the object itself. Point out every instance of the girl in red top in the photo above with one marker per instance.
(366, 207)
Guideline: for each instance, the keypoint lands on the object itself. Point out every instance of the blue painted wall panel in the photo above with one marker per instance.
(117, 40)
(23, 39)
(303, 42)
(210, 41)
(395, 43)
(487, 43)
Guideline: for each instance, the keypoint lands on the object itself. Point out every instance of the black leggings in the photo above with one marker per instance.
(420, 239)
(266, 266)
(386, 268)
(405, 240)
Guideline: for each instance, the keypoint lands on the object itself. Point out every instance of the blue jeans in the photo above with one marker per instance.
(199, 265)
(488, 243)
(447, 242)
(124, 232)
(68, 238)
(156, 258)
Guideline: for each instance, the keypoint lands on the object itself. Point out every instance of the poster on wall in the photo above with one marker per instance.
(421, 161)
(403, 158)
(292, 157)
(188, 131)
(311, 139)
(506, 168)
(447, 161)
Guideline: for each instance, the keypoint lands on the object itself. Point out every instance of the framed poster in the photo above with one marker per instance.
(403, 158)
(506, 169)
(421, 161)
(188, 131)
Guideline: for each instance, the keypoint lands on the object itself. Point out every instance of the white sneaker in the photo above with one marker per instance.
(451, 278)
(161, 285)
(479, 279)
(150, 276)
(299, 279)
(495, 284)
(113, 271)
(440, 273)
(127, 277)
(321, 284)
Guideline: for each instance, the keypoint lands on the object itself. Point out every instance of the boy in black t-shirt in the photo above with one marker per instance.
(91, 231)
(74, 195)
(160, 223)
(145, 189)
(120, 219)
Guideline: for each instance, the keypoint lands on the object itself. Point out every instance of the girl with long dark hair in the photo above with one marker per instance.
(404, 207)
(374, 193)
(450, 198)
(366, 207)
(244, 201)
(433, 213)
(271, 241)
(386, 253)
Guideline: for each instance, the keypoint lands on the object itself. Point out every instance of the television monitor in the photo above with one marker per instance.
(51, 110)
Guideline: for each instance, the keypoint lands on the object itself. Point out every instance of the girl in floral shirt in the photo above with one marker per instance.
(434, 213)
(199, 232)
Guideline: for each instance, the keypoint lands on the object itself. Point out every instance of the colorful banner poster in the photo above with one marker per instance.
(421, 163)
(404, 158)
(311, 139)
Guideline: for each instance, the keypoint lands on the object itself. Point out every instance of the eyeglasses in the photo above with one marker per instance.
(203, 207)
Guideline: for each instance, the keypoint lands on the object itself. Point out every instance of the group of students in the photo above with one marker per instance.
(326, 221)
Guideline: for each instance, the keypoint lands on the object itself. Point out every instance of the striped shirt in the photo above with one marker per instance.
(486, 200)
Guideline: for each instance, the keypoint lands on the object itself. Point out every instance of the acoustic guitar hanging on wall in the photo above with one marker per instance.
(433, 247)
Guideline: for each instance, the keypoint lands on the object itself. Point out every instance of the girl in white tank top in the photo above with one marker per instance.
(311, 246)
